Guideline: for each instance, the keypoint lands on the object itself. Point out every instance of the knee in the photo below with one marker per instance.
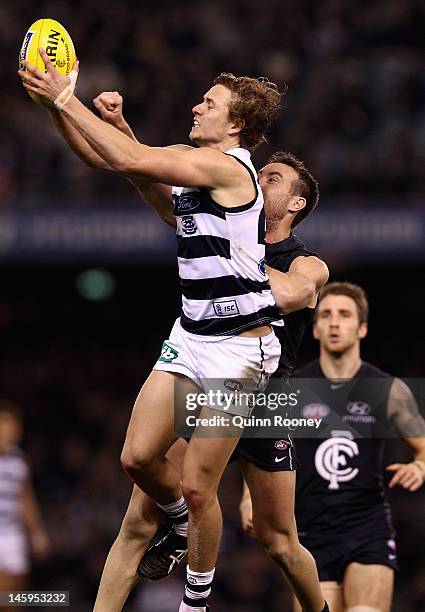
(197, 497)
(280, 545)
(136, 460)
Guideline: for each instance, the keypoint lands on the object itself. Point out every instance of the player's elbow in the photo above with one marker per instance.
(294, 298)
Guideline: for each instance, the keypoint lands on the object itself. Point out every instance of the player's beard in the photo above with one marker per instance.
(275, 212)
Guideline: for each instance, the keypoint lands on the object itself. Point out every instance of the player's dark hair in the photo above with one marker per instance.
(355, 292)
(305, 186)
(256, 103)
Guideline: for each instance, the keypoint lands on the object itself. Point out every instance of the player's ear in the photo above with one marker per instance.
(315, 334)
(362, 330)
(296, 204)
(236, 127)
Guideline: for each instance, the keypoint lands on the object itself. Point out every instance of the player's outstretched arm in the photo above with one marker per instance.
(110, 106)
(298, 288)
(73, 138)
(201, 167)
(157, 195)
(77, 143)
(404, 415)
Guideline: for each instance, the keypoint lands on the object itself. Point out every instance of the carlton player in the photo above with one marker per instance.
(342, 512)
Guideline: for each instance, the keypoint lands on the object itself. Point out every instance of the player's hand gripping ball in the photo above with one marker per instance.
(51, 36)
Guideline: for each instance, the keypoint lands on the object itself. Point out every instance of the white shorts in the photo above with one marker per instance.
(229, 363)
(14, 554)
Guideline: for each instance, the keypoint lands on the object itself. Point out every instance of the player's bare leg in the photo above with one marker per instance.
(149, 436)
(204, 463)
(140, 523)
(119, 577)
(273, 495)
(11, 582)
(368, 588)
(332, 592)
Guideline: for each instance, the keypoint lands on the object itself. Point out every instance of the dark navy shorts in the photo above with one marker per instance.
(333, 559)
(268, 454)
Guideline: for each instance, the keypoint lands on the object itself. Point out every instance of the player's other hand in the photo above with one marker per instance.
(406, 475)
(245, 509)
(109, 104)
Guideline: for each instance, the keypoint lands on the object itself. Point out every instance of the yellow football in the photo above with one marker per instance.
(51, 36)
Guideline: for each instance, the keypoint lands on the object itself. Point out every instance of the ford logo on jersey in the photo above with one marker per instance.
(186, 203)
(189, 225)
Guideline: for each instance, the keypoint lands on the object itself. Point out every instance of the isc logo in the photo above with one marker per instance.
(226, 309)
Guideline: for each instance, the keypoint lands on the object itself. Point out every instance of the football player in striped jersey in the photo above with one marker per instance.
(303, 275)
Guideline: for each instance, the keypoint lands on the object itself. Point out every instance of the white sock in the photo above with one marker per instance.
(177, 512)
(185, 608)
(198, 587)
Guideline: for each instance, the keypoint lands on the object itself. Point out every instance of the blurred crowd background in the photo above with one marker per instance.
(354, 111)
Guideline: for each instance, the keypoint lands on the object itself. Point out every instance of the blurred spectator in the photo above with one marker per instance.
(21, 531)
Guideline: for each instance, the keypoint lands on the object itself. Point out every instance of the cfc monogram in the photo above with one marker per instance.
(331, 460)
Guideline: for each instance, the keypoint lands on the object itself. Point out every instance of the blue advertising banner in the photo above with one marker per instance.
(136, 235)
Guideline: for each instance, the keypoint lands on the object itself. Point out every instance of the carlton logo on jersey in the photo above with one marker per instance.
(331, 460)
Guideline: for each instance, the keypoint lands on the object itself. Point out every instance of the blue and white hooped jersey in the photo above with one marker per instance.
(221, 258)
(14, 472)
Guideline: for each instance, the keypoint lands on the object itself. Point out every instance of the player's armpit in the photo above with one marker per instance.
(158, 195)
(298, 288)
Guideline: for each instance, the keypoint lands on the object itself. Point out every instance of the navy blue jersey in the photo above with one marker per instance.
(280, 255)
(340, 483)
